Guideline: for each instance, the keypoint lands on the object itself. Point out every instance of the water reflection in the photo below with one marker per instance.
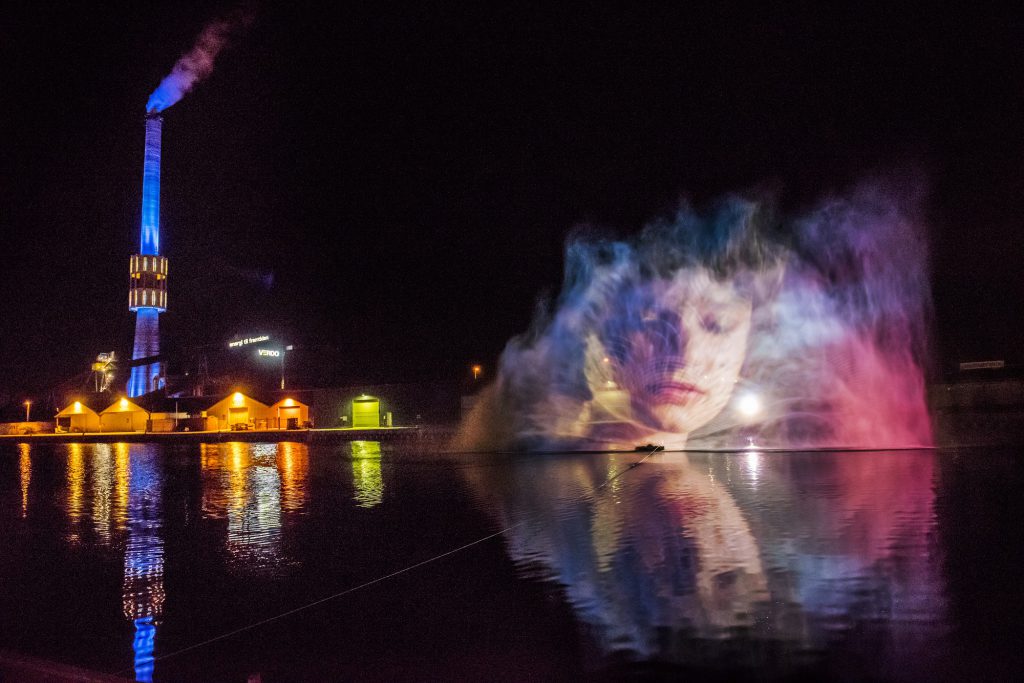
(682, 559)
(143, 587)
(102, 487)
(367, 480)
(293, 466)
(25, 471)
(76, 484)
(116, 490)
(250, 485)
(119, 513)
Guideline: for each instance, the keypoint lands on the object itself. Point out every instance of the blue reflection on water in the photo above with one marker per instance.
(143, 645)
(143, 588)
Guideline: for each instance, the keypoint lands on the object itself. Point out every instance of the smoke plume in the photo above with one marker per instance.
(197, 63)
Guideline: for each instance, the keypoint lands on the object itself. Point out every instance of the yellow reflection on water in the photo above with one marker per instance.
(120, 502)
(25, 466)
(293, 465)
(212, 471)
(607, 520)
(366, 475)
(76, 482)
(242, 482)
(237, 463)
(101, 485)
(208, 456)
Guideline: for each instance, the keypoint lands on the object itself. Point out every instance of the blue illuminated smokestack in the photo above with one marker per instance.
(150, 241)
(147, 294)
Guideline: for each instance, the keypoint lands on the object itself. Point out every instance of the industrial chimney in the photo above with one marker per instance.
(147, 292)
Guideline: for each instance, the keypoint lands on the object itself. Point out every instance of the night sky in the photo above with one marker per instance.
(390, 186)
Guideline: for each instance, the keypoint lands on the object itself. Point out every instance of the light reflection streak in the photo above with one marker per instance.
(366, 475)
(76, 483)
(293, 465)
(143, 587)
(242, 482)
(120, 504)
(102, 479)
(25, 470)
(753, 463)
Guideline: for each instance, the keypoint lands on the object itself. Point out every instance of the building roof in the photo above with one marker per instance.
(294, 402)
(165, 404)
(124, 405)
(85, 408)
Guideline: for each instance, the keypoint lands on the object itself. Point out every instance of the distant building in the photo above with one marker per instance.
(78, 417)
(289, 413)
(124, 416)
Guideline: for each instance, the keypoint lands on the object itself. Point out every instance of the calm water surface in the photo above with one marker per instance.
(139, 559)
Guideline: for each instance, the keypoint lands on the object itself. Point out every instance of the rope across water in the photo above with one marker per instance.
(385, 577)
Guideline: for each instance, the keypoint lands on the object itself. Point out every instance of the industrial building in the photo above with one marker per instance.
(157, 414)
(123, 416)
(78, 417)
(368, 407)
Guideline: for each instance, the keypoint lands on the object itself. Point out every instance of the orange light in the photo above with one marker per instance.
(289, 402)
(78, 406)
(124, 404)
(238, 399)
(477, 371)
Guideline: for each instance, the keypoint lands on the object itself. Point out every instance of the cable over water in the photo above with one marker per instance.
(262, 622)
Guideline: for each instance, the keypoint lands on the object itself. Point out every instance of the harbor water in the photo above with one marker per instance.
(370, 561)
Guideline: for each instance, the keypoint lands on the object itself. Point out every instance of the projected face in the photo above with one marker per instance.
(675, 348)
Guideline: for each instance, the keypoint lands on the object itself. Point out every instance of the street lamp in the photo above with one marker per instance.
(28, 409)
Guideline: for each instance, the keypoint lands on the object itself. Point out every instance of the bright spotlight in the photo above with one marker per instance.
(749, 405)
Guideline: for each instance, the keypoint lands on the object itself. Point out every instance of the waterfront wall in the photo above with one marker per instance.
(26, 427)
(990, 394)
(978, 412)
(409, 404)
(428, 437)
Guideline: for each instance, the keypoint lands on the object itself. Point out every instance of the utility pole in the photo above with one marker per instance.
(284, 351)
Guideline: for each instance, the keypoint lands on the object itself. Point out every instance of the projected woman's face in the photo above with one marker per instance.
(679, 352)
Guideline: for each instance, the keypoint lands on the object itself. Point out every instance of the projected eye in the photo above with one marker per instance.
(712, 323)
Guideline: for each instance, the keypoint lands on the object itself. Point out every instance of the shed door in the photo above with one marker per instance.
(236, 415)
(365, 414)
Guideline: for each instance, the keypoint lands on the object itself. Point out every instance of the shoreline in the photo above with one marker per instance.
(389, 434)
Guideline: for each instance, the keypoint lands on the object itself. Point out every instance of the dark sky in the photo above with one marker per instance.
(408, 173)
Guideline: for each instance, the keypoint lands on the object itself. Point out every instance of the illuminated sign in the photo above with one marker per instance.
(984, 365)
(273, 353)
(248, 340)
